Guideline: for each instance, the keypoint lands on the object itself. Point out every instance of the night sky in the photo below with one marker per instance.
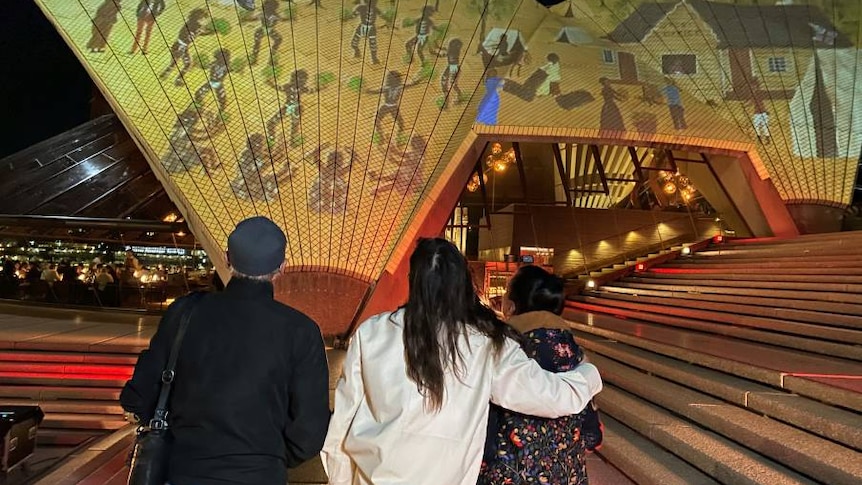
(44, 90)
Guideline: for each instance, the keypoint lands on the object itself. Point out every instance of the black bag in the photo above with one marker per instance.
(152, 449)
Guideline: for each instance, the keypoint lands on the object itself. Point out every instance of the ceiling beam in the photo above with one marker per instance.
(597, 158)
(726, 193)
(638, 163)
(481, 175)
(521, 173)
(672, 161)
(90, 222)
(564, 175)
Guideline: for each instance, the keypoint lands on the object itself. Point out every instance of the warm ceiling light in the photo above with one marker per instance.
(591, 284)
(171, 217)
(473, 184)
(669, 188)
(498, 160)
(181, 234)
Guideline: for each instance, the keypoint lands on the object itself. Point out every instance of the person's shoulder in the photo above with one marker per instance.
(187, 300)
(296, 319)
(381, 323)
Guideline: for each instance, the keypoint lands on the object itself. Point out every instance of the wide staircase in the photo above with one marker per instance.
(72, 364)
(739, 364)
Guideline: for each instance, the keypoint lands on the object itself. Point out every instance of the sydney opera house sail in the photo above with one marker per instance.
(343, 121)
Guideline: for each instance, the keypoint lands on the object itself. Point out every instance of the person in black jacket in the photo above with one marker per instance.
(250, 396)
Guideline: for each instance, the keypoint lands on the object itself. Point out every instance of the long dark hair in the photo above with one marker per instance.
(441, 306)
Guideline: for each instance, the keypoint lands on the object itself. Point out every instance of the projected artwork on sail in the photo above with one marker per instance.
(335, 119)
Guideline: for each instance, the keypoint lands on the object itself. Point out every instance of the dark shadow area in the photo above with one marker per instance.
(43, 83)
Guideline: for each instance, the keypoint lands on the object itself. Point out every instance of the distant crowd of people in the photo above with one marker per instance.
(249, 381)
(76, 283)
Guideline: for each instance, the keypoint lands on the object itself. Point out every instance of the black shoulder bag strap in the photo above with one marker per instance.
(159, 420)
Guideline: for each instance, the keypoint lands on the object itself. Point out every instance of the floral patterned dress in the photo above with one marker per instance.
(523, 449)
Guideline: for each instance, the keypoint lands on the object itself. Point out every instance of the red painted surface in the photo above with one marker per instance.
(770, 202)
(52, 375)
(329, 299)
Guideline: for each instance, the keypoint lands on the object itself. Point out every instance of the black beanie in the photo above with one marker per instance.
(256, 247)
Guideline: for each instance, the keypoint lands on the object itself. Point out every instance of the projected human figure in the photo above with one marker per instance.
(180, 48)
(183, 154)
(103, 24)
(292, 106)
(255, 182)
(218, 71)
(424, 25)
(268, 19)
(146, 12)
(449, 78)
(611, 118)
(392, 89)
(328, 193)
(406, 176)
(367, 13)
(489, 105)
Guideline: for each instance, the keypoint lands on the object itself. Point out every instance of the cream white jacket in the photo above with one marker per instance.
(381, 433)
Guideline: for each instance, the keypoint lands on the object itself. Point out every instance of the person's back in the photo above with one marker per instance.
(103, 279)
(50, 275)
(250, 395)
(387, 429)
(521, 448)
(235, 382)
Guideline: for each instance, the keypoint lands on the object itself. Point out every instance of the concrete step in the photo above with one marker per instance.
(640, 459)
(846, 335)
(796, 371)
(57, 392)
(824, 291)
(121, 371)
(820, 237)
(780, 313)
(836, 424)
(718, 457)
(68, 406)
(67, 357)
(757, 260)
(788, 245)
(55, 380)
(740, 300)
(774, 276)
(83, 421)
(755, 335)
(798, 268)
(808, 454)
(854, 252)
(704, 288)
(601, 472)
(65, 437)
